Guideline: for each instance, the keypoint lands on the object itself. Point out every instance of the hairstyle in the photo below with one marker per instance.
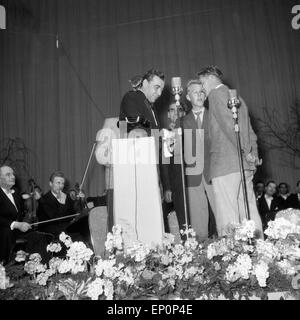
(56, 174)
(270, 181)
(191, 82)
(259, 181)
(211, 70)
(283, 183)
(151, 73)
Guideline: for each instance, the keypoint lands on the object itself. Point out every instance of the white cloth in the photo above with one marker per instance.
(230, 201)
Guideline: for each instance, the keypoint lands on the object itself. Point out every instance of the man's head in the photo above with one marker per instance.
(210, 77)
(195, 94)
(283, 188)
(270, 188)
(7, 177)
(259, 187)
(57, 182)
(172, 112)
(153, 84)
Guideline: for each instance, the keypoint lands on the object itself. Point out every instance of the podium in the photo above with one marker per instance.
(137, 200)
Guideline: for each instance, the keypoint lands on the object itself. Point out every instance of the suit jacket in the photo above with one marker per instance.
(267, 213)
(50, 208)
(293, 201)
(8, 214)
(223, 146)
(134, 104)
(190, 144)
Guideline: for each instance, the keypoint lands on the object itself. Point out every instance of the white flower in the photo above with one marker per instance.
(36, 257)
(286, 267)
(21, 256)
(64, 238)
(245, 230)
(106, 267)
(280, 228)
(64, 267)
(54, 247)
(126, 275)
(266, 250)
(190, 272)
(261, 273)
(168, 240)
(42, 279)
(54, 263)
(114, 240)
(79, 251)
(108, 289)
(138, 251)
(95, 289)
(240, 269)
(218, 248)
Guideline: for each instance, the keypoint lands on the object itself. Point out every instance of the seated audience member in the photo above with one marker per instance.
(259, 189)
(55, 204)
(283, 194)
(268, 205)
(293, 200)
(11, 213)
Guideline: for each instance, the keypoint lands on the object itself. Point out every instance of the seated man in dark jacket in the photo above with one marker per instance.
(293, 201)
(11, 213)
(55, 204)
(268, 205)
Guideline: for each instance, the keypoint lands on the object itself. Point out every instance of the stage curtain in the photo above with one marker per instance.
(65, 65)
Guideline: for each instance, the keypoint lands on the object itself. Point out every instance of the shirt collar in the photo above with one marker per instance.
(268, 197)
(219, 85)
(10, 191)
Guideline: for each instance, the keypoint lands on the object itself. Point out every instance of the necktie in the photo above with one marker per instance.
(198, 119)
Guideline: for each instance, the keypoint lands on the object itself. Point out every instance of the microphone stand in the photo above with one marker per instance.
(233, 104)
(86, 169)
(177, 90)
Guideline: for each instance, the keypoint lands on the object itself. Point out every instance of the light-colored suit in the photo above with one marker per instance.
(224, 161)
(199, 190)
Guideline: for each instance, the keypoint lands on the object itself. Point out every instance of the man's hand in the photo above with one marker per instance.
(168, 196)
(22, 226)
(253, 159)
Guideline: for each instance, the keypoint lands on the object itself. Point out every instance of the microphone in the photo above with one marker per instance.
(233, 101)
(176, 88)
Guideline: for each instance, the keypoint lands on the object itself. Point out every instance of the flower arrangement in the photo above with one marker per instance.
(237, 266)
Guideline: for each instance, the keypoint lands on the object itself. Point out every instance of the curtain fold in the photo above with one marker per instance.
(56, 98)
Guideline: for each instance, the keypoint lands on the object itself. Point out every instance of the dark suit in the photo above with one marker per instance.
(293, 201)
(8, 214)
(134, 104)
(50, 208)
(267, 214)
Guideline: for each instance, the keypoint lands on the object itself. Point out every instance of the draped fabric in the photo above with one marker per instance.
(65, 65)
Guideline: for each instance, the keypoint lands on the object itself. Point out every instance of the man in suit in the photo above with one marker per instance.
(11, 213)
(139, 102)
(224, 159)
(293, 201)
(196, 154)
(56, 204)
(283, 195)
(269, 204)
(259, 189)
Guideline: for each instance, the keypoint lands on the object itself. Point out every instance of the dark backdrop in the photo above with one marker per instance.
(55, 99)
